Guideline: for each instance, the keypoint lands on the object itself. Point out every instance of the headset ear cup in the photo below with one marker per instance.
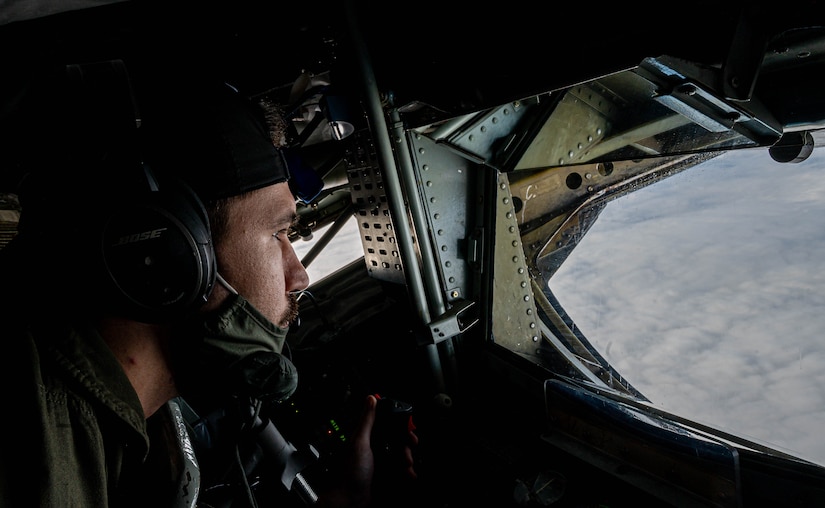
(158, 255)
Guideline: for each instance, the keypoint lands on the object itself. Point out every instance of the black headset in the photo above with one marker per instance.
(153, 239)
(157, 252)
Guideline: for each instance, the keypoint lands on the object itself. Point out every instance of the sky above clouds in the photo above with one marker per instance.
(707, 292)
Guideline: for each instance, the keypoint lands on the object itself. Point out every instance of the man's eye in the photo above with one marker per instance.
(284, 232)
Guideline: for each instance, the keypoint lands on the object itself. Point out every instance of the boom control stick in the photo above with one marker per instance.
(390, 435)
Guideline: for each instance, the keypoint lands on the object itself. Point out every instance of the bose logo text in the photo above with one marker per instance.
(139, 237)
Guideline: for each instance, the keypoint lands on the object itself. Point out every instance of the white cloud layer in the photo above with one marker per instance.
(707, 292)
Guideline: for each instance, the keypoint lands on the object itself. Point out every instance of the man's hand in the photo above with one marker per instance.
(354, 490)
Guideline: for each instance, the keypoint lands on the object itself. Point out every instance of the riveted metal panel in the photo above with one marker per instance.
(444, 183)
(480, 137)
(516, 322)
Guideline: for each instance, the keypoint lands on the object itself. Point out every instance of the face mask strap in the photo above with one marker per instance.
(225, 284)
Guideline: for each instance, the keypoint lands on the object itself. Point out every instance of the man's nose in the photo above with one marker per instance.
(297, 278)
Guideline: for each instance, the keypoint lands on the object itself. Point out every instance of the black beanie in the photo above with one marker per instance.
(203, 132)
(217, 141)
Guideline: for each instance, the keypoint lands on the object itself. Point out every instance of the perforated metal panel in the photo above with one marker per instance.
(375, 223)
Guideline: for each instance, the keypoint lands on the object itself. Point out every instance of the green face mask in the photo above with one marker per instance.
(235, 351)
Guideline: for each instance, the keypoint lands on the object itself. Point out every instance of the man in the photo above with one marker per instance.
(110, 315)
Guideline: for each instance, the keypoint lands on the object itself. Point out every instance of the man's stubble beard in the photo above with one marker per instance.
(291, 313)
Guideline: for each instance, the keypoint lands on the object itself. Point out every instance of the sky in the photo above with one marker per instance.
(709, 300)
(707, 292)
(345, 247)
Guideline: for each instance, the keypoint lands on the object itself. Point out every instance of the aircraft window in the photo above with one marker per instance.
(344, 248)
(705, 291)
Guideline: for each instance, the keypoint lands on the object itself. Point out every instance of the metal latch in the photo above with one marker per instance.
(450, 323)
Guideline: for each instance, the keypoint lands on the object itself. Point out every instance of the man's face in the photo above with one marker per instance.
(256, 257)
